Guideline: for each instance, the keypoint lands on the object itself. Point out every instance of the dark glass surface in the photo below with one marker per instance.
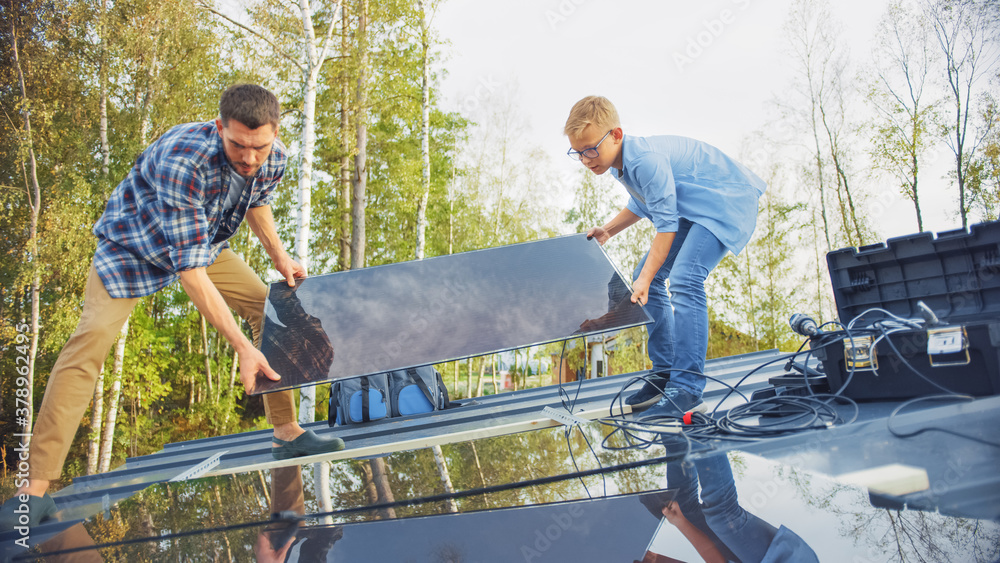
(225, 518)
(422, 312)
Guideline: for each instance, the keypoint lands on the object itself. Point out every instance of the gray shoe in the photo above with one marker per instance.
(15, 513)
(649, 395)
(672, 406)
(309, 443)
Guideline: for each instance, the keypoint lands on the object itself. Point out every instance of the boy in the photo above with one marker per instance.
(703, 204)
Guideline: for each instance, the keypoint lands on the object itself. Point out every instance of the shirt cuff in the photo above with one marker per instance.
(666, 225)
(191, 257)
(634, 207)
(266, 199)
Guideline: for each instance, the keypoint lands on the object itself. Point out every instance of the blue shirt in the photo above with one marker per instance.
(168, 214)
(787, 547)
(671, 177)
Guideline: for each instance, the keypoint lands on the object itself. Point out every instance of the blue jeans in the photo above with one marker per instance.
(694, 253)
(738, 534)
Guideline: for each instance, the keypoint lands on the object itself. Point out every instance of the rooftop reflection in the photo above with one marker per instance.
(494, 519)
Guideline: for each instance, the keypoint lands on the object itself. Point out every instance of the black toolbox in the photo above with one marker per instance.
(957, 276)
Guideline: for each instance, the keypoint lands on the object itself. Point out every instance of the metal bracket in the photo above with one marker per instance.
(948, 341)
(564, 417)
(200, 469)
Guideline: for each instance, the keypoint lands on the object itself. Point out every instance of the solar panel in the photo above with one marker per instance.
(517, 499)
(445, 308)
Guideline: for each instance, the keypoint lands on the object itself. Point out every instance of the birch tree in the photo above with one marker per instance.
(34, 196)
(359, 179)
(145, 94)
(344, 200)
(966, 35)
(314, 59)
(307, 57)
(822, 102)
(97, 406)
(813, 55)
(425, 126)
(984, 182)
(899, 91)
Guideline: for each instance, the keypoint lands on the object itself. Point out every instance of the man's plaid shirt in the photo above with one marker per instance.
(167, 214)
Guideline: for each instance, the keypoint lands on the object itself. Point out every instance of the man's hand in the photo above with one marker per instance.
(261, 222)
(290, 269)
(252, 361)
(266, 552)
(600, 234)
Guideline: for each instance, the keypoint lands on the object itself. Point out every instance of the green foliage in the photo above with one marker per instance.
(594, 201)
(629, 351)
(756, 291)
(496, 192)
(984, 172)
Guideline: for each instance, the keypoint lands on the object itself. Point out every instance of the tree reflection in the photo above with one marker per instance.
(896, 534)
(220, 502)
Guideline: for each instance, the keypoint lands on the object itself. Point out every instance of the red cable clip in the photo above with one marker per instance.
(687, 418)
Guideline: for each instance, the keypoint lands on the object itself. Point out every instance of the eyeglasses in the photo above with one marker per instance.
(589, 153)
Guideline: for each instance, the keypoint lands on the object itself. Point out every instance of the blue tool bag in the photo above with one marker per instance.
(397, 393)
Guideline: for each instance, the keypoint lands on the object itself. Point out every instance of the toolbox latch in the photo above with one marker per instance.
(859, 354)
(948, 346)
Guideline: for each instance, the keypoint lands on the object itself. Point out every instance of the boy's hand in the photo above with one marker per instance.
(640, 291)
(672, 512)
(600, 234)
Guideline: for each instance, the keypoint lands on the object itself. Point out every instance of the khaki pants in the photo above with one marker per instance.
(71, 384)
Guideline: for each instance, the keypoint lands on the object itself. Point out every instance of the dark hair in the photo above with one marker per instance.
(250, 104)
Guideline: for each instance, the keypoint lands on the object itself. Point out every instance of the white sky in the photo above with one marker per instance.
(556, 51)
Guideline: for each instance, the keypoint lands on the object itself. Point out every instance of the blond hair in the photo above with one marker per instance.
(592, 110)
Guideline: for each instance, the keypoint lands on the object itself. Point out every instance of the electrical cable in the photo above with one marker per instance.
(913, 323)
(798, 413)
(570, 406)
(951, 396)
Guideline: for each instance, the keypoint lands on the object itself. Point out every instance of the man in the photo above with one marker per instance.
(169, 220)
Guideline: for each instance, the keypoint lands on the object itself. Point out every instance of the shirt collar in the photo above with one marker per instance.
(621, 173)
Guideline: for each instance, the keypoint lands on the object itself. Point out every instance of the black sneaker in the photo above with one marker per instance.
(648, 396)
(673, 404)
